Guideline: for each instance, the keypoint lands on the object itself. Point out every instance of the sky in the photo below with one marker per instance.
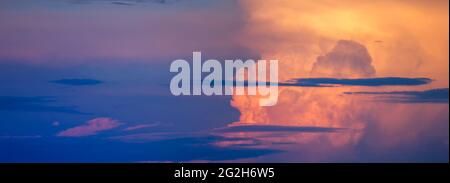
(359, 81)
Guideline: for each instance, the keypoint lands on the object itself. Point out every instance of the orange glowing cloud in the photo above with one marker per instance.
(345, 39)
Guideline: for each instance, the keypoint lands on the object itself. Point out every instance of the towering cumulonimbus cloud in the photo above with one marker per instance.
(344, 39)
(319, 107)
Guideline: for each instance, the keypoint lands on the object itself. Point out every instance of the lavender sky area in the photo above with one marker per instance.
(88, 81)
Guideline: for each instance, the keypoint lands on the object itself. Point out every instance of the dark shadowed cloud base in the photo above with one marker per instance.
(334, 82)
(274, 128)
(439, 95)
(384, 81)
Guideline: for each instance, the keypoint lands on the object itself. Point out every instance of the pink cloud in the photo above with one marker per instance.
(137, 127)
(147, 125)
(91, 127)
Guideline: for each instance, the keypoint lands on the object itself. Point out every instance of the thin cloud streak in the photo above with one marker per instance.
(77, 82)
(34, 104)
(382, 81)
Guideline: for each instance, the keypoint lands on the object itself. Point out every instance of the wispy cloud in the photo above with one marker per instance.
(91, 127)
(34, 104)
(439, 95)
(123, 2)
(146, 137)
(142, 126)
(77, 82)
(20, 136)
(137, 127)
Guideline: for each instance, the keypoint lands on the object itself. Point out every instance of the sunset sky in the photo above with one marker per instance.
(88, 81)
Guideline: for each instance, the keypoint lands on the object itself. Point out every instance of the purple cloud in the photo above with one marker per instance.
(91, 127)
